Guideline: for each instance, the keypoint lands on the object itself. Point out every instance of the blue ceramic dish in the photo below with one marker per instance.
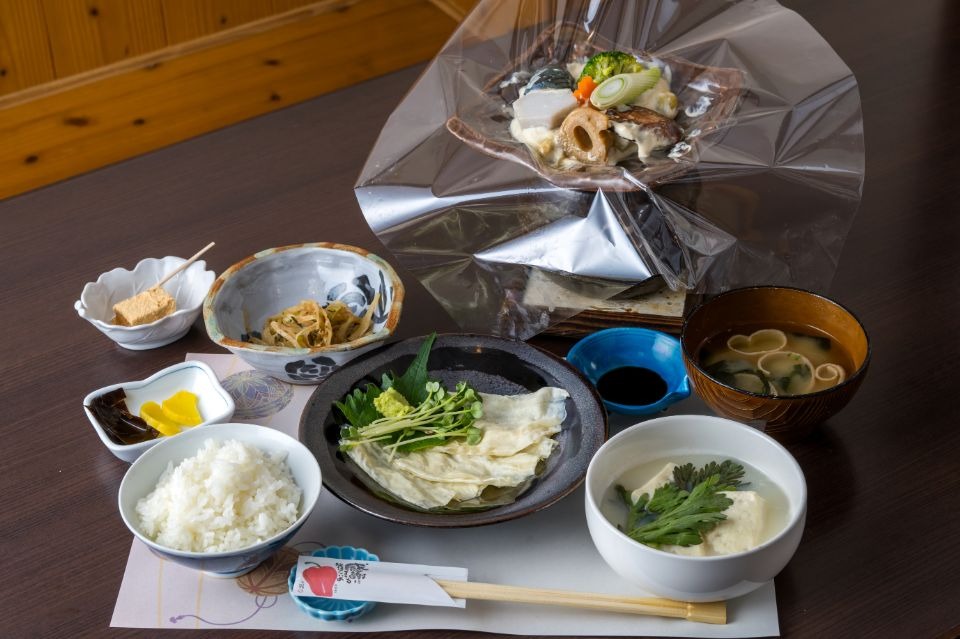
(597, 354)
(327, 609)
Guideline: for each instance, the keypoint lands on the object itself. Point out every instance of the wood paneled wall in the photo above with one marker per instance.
(85, 83)
(42, 40)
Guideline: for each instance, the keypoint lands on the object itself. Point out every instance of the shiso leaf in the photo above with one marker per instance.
(358, 407)
(413, 383)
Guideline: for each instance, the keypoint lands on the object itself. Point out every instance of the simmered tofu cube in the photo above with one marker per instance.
(544, 107)
(743, 526)
(144, 308)
(665, 476)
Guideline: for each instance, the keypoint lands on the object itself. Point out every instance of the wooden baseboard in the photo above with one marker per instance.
(67, 127)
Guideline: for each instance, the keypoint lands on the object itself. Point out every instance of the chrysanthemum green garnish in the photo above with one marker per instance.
(680, 512)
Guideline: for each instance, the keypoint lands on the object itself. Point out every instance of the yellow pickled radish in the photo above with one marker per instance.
(151, 413)
(181, 408)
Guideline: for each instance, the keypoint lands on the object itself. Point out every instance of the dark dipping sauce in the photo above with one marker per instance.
(632, 386)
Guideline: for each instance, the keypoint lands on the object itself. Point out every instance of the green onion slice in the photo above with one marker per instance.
(624, 88)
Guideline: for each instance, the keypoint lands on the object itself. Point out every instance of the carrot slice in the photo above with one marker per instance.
(584, 88)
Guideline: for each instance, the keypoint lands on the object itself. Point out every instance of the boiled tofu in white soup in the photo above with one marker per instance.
(740, 531)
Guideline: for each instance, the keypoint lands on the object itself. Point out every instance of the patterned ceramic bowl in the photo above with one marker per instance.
(327, 609)
(188, 288)
(252, 290)
(786, 418)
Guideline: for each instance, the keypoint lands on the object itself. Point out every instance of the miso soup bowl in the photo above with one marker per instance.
(687, 578)
(142, 476)
(786, 418)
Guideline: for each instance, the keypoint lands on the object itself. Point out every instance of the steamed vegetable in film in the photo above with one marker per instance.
(617, 108)
(607, 64)
(624, 88)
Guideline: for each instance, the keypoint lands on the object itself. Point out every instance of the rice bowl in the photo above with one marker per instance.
(228, 496)
(244, 524)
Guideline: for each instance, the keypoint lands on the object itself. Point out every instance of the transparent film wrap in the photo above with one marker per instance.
(762, 188)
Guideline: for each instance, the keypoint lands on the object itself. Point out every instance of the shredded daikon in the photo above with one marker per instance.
(309, 325)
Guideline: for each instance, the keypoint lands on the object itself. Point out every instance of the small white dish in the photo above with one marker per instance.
(686, 578)
(215, 404)
(188, 288)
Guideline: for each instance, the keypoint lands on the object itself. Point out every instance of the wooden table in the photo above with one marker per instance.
(880, 554)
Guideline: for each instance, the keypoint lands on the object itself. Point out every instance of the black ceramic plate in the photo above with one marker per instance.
(489, 364)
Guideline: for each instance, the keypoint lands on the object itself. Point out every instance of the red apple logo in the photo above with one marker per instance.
(321, 579)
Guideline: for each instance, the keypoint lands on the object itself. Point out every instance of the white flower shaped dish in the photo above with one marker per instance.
(188, 289)
(215, 403)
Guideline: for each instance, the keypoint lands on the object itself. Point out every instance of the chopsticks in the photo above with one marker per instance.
(193, 259)
(710, 612)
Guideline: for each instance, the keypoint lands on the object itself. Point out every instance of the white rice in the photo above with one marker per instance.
(226, 497)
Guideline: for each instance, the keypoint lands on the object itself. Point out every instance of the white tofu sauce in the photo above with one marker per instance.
(759, 512)
(658, 98)
(540, 139)
(546, 145)
(646, 139)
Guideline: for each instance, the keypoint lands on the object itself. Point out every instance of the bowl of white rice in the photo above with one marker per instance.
(222, 498)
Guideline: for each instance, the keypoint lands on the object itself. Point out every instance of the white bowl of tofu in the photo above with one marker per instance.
(676, 526)
(160, 317)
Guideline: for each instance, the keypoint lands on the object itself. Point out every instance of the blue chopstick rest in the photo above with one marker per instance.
(326, 609)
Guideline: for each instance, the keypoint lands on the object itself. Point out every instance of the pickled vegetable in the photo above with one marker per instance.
(153, 414)
(181, 408)
(121, 426)
(174, 414)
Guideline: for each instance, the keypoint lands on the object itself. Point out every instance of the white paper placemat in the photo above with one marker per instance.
(550, 549)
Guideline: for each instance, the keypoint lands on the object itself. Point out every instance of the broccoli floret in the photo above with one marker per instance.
(607, 64)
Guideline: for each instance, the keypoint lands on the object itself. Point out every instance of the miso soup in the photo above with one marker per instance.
(781, 360)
